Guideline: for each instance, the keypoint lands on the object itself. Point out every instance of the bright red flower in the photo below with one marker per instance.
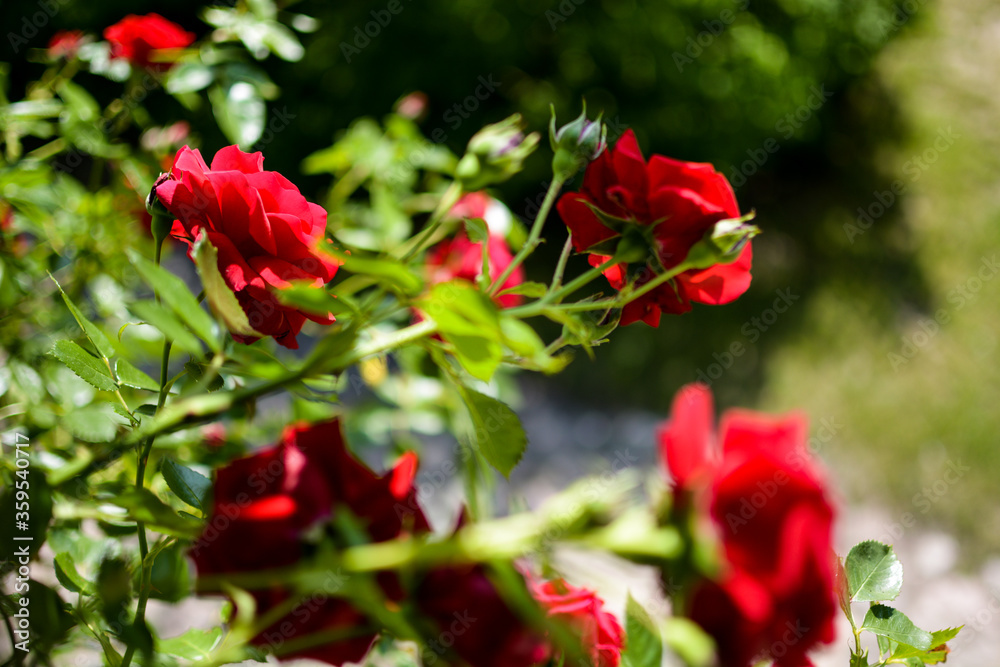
(139, 38)
(268, 505)
(680, 201)
(65, 43)
(768, 500)
(600, 632)
(266, 233)
(459, 257)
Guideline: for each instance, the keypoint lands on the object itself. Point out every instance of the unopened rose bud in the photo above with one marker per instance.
(723, 244)
(495, 153)
(163, 220)
(576, 143)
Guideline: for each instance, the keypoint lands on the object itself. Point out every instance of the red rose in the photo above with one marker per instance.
(600, 633)
(767, 498)
(459, 257)
(138, 38)
(264, 506)
(670, 203)
(475, 621)
(266, 233)
(65, 43)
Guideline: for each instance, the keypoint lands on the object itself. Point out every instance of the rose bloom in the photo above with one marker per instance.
(459, 257)
(65, 43)
(681, 200)
(266, 233)
(767, 498)
(137, 39)
(600, 632)
(267, 510)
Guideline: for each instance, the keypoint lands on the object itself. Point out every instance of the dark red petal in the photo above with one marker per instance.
(585, 229)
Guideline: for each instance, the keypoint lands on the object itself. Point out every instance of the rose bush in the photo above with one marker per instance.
(320, 556)
(665, 205)
(769, 503)
(266, 233)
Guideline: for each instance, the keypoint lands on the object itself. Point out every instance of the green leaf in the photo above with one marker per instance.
(193, 644)
(190, 486)
(479, 356)
(467, 319)
(220, 297)
(175, 294)
(498, 431)
(163, 319)
(459, 308)
(85, 365)
(893, 624)
(68, 576)
(94, 335)
(144, 506)
(937, 652)
(643, 642)
(119, 409)
(131, 376)
(686, 638)
(520, 337)
(387, 270)
(314, 300)
(92, 423)
(873, 572)
(939, 637)
(476, 230)
(239, 111)
(188, 78)
(529, 289)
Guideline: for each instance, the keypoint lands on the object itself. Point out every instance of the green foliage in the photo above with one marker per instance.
(643, 643)
(873, 572)
(190, 486)
(890, 623)
(497, 430)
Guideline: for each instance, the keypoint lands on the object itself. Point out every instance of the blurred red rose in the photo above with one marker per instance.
(669, 203)
(266, 233)
(600, 633)
(65, 43)
(475, 620)
(265, 505)
(767, 498)
(139, 38)
(460, 257)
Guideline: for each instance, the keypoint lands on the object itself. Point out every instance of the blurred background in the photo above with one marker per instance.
(862, 132)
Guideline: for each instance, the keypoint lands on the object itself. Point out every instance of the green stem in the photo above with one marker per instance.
(553, 297)
(561, 266)
(580, 281)
(534, 237)
(448, 200)
(140, 481)
(655, 282)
